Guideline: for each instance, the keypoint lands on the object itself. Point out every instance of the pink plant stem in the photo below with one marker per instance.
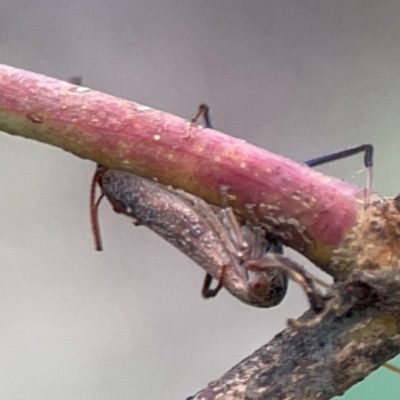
(313, 212)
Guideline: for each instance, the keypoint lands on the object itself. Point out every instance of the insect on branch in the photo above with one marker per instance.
(323, 218)
(293, 201)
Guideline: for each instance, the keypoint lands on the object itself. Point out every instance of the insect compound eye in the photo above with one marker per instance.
(259, 287)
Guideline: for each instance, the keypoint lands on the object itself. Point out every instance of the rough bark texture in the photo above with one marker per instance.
(315, 363)
(319, 358)
(316, 357)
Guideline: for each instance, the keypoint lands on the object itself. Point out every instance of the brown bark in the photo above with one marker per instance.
(323, 218)
(315, 363)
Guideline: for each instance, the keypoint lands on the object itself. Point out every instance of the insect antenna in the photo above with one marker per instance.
(204, 112)
(368, 151)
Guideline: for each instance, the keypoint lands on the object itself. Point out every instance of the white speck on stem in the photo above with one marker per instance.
(82, 89)
(143, 108)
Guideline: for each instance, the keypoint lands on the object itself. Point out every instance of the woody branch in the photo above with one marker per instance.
(321, 217)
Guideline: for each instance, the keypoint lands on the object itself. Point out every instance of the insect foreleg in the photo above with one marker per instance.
(208, 292)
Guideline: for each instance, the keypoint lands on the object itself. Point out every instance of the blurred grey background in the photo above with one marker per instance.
(300, 78)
